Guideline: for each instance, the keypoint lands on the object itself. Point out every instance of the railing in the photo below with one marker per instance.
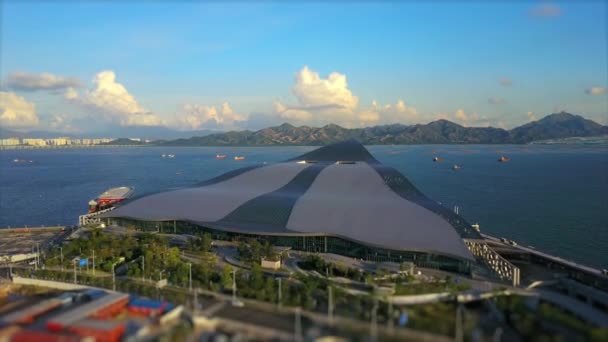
(503, 268)
(92, 218)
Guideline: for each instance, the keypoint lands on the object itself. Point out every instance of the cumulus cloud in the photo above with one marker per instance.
(194, 116)
(16, 111)
(329, 100)
(545, 10)
(531, 116)
(70, 94)
(45, 81)
(61, 123)
(398, 112)
(596, 91)
(112, 100)
(320, 100)
(496, 100)
(293, 113)
(505, 82)
(463, 118)
(312, 90)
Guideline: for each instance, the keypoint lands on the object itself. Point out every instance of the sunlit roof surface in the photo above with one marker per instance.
(359, 199)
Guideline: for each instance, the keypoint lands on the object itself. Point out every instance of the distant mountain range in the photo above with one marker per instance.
(143, 132)
(554, 126)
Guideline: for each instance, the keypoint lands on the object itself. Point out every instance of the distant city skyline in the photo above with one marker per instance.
(78, 68)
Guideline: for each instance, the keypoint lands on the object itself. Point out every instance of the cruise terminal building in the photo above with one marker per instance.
(335, 199)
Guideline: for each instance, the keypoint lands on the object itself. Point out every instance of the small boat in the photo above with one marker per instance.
(20, 161)
(455, 167)
(437, 159)
(163, 155)
(503, 159)
(220, 156)
(239, 158)
(171, 155)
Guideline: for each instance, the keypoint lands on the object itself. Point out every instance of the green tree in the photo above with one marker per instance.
(206, 243)
(257, 277)
(227, 277)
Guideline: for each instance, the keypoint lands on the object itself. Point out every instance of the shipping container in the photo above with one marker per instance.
(101, 331)
(28, 314)
(103, 307)
(147, 307)
(42, 336)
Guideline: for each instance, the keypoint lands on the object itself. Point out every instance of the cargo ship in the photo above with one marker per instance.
(239, 158)
(220, 156)
(109, 198)
(503, 159)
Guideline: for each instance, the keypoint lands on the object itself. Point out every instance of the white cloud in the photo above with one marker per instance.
(312, 90)
(505, 82)
(16, 111)
(546, 10)
(496, 100)
(398, 112)
(320, 100)
(70, 94)
(329, 100)
(531, 116)
(112, 100)
(596, 91)
(61, 123)
(465, 119)
(45, 81)
(292, 114)
(193, 116)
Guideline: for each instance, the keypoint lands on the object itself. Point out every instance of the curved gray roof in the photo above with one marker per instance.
(361, 200)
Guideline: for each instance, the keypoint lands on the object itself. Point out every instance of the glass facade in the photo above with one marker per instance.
(307, 243)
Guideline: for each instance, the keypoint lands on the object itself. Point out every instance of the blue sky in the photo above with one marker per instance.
(76, 66)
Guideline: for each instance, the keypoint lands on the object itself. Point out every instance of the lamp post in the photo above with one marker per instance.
(374, 324)
(74, 262)
(233, 286)
(93, 262)
(298, 326)
(280, 292)
(330, 305)
(61, 251)
(390, 317)
(143, 267)
(190, 275)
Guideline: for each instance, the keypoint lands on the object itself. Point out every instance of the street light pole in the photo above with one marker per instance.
(74, 262)
(113, 277)
(61, 251)
(374, 325)
(330, 305)
(280, 293)
(143, 267)
(298, 326)
(93, 262)
(190, 275)
(233, 285)
(390, 316)
(459, 333)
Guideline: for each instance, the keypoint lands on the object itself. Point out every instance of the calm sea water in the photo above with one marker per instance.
(554, 198)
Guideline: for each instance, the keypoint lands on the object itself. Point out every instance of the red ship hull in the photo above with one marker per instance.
(110, 198)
